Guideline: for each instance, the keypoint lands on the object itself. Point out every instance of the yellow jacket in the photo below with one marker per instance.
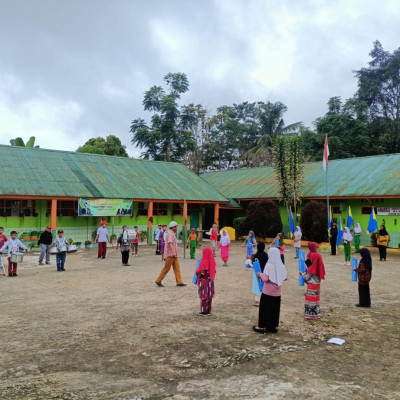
(382, 240)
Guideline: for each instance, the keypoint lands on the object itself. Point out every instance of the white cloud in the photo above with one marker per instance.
(79, 77)
(53, 123)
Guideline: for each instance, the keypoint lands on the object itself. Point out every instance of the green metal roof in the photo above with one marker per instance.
(40, 172)
(372, 176)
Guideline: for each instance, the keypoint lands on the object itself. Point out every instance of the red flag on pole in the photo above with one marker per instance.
(326, 153)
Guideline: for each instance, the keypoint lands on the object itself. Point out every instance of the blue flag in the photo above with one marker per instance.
(291, 222)
(350, 220)
(340, 233)
(372, 223)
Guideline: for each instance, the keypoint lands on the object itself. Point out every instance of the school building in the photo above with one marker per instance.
(358, 183)
(42, 187)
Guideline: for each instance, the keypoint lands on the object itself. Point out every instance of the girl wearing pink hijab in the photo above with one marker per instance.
(224, 245)
(205, 281)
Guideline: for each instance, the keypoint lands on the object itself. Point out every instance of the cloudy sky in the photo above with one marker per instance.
(71, 70)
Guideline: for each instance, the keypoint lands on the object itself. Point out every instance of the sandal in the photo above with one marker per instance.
(256, 304)
(258, 330)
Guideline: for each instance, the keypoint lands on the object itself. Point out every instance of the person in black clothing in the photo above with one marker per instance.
(333, 234)
(262, 257)
(45, 240)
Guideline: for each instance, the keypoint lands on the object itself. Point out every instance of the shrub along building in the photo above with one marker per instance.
(358, 183)
(41, 187)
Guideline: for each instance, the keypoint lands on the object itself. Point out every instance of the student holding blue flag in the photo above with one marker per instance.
(364, 272)
(251, 243)
(262, 257)
(270, 303)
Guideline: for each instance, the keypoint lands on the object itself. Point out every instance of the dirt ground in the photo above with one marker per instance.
(104, 331)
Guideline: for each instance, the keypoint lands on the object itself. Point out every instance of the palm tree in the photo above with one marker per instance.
(20, 142)
(271, 125)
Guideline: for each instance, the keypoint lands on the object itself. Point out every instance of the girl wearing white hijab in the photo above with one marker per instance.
(347, 239)
(224, 245)
(297, 241)
(357, 237)
(270, 303)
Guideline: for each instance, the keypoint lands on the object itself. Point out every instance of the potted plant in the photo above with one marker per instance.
(112, 240)
(94, 234)
(143, 236)
(71, 246)
(33, 246)
(87, 244)
(78, 244)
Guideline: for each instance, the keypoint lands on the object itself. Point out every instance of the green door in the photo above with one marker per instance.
(194, 219)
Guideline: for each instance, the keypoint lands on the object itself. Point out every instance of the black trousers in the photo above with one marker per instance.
(364, 296)
(268, 313)
(125, 257)
(332, 240)
(382, 252)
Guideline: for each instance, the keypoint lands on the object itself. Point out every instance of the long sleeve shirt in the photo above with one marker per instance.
(46, 238)
(270, 288)
(13, 246)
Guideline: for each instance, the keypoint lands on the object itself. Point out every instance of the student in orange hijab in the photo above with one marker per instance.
(192, 242)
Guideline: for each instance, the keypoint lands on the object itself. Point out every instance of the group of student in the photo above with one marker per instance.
(15, 245)
(272, 265)
(223, 246)
(348, 239)
(273, 274)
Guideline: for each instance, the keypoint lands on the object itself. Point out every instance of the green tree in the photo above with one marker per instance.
(20, 142)
(271, 125)
(348, 130)
(379, 89)
(289, 168)
(281, 168)
(242, 135)
(195, 117)
(313, 222)
(169, 137)
(264, 218)
(110, 146)
(295, 160)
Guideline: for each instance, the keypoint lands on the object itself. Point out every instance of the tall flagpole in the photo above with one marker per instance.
(327, 194)
(325, 163)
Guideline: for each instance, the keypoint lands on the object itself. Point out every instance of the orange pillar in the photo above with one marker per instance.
(185, 212)
(216, 214)
(150, 214)
(53, 214)
(150, 222)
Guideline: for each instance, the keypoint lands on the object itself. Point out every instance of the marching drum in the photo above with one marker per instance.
(17, 257)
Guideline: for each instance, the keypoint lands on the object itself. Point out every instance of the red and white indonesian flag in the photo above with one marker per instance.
(326, 153)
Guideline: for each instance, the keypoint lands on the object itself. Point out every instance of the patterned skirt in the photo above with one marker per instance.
(311, 306)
